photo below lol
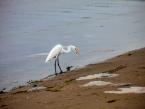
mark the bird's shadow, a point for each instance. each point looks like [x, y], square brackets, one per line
[68, 69]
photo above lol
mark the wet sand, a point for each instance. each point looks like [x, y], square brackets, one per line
[65, 92]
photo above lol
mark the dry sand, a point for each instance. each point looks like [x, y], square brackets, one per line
[65, 92]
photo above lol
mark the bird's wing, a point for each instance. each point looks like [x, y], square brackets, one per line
[55, 51]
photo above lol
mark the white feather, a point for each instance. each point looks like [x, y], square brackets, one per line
[55, 51]
[59, 49]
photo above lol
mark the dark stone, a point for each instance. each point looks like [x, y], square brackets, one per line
[1, 92]
[111, 101]
[3, 105]
[69, 68]
[125, 85]
[129, 54]
[34, 85]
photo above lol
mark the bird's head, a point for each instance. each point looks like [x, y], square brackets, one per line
[76, 50]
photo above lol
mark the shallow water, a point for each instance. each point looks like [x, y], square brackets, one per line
[101, 28]
[97, 83]
[135, 89]
[97, 75]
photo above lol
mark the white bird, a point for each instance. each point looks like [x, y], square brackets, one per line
[57, 50]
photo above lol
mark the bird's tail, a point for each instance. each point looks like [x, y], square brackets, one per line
[47, 59]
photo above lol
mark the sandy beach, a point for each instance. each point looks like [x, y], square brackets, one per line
[68, 91]
[29, 30]
[102, 29]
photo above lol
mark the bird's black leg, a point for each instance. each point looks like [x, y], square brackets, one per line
[55, 66]
[59, 65]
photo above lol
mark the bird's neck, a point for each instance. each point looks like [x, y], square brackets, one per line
[68, 49]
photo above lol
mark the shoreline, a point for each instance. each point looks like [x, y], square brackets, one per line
[64, 91]
[16, 84]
